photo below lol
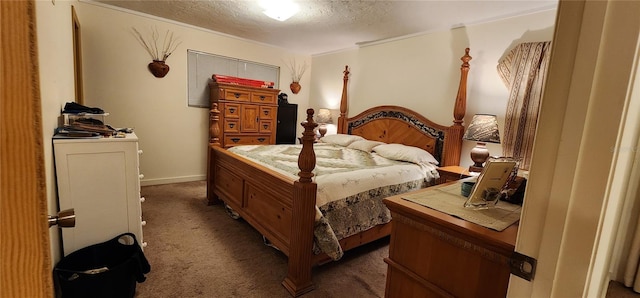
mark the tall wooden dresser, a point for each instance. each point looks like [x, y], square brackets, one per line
[100, 180]
[247, 114]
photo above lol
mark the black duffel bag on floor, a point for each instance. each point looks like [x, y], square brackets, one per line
[108, 269]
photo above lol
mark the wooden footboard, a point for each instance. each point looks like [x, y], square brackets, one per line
[260, 197]
[283, 209]
[280, 208]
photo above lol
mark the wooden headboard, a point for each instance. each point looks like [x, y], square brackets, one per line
[394, 124]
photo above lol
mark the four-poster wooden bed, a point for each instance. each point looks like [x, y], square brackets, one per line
[283, 209]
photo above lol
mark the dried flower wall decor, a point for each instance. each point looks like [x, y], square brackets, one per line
[159, 55]
[296, 74]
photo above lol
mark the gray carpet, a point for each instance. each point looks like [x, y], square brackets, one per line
[197, 250]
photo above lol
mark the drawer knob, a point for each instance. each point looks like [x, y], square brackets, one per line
[139, 152]
[266, 112]
[261, 140]
[265, 126]
[143, 223]
[237, 95]
[232, 110]
[142, 199]
[235, 140]
[262, 97]
[231, 125]
[144, 244]
[141, 176]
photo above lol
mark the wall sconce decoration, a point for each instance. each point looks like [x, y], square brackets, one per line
[483, 129]
[296, 74]
[158, 66]
[323, 118]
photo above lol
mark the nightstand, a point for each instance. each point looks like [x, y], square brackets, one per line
[452, 173]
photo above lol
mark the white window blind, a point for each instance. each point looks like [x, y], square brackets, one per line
[201, 66]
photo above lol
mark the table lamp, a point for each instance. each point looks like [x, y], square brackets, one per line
[483, 129]
[323, 118]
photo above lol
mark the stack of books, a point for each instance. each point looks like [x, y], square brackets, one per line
[242, 81]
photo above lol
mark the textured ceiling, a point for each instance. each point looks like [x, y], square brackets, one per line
[326, 26]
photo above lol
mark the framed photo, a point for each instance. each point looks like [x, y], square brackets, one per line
[491, 181]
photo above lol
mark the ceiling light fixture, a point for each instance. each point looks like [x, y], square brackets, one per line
[279, 10]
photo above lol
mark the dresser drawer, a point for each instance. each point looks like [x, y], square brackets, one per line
[232, 110]
[263, 97]
[231, 125]
[229, 185]
[266, 126]
[267, 208]
[232, 140]
[237, 94]
[268, 112]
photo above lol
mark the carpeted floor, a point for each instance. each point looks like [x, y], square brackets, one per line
[197, 250]
[618, 290]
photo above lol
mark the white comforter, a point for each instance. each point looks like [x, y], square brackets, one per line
[351, 185]
[340, 172]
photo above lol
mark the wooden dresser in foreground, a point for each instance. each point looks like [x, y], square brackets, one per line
[433, 254]
[247, 114]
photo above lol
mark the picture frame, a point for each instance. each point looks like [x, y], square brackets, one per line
[495, 175]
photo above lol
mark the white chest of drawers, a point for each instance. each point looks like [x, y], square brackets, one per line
[100, 180]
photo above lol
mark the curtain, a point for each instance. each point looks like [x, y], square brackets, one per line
[523, 70]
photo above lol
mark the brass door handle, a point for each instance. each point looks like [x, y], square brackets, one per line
[64, 219]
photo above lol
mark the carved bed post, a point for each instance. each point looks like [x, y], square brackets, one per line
[452, 153]
[342, 120]
[214, 127]
[298, 280]
[214, 141]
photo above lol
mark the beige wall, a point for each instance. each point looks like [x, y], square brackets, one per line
[55, 53]
[172, 135]
[422, 72]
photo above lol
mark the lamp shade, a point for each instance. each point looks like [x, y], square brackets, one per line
[483, 128]
[324, 116]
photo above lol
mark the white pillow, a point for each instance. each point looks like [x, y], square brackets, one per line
[341, 139]
[405, 153]
[364, 145]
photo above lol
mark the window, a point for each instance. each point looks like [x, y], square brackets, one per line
[201, 66]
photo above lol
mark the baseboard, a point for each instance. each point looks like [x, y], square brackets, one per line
[147, 182]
